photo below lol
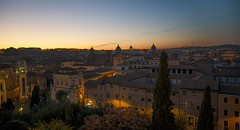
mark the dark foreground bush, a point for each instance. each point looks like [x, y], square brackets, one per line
[15, 125]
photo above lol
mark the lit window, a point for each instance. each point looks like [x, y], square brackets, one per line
[193, 93]
[184, 105]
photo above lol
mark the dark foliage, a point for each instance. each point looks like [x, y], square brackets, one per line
[5, 116]
[205, 120]
[15, 125]
[51, 111]
[163, 118]
[61, 96]
[35, 99]
[72, 114]
[6, 112]
[7, 106]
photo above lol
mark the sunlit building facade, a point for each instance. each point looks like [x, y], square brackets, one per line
[229, 108]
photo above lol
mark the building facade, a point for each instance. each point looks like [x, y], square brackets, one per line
[229, 108]
[71, 82]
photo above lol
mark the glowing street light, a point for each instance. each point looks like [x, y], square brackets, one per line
[20, 109]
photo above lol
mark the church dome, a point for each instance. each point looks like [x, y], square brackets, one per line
[153, 47]
[91, 50]
[130, 48]
[118, 49]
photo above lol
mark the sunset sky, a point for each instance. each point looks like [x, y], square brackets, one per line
[105, 23]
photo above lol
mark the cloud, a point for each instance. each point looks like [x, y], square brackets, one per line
[106, 44]
[157, 32]
[112, 43]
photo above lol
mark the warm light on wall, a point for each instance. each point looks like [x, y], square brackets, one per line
[21, 109]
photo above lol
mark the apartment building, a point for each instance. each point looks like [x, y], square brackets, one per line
[71, 82]
[135, 90]
[229, 108]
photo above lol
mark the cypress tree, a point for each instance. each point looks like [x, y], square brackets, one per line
[35, 99]
[8, 106]
[163, 118]
[205, 120]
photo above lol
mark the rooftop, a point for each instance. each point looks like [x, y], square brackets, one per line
[232, 90]
[235, 72]
[199, 84]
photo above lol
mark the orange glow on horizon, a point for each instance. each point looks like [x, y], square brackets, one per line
[124, 46]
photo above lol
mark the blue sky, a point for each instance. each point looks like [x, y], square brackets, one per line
[82, 24]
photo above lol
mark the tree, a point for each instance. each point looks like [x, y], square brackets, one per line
[7, 106]
[61, 96]
[117, 119]
[35, 99]
[163, 118]
[69, 117]
[55, 124]
[205, 120]
[15, 125]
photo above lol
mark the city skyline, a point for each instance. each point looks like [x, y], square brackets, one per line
[104, 24]
[96, 47]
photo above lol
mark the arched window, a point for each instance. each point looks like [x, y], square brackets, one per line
[225, 125]
[236, 126]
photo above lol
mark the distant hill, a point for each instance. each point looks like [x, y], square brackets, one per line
[231, 46]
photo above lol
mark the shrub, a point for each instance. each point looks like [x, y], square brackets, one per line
[55, 124]
[61, 96]
[15, 125]
[120, 118]
[52, 111]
